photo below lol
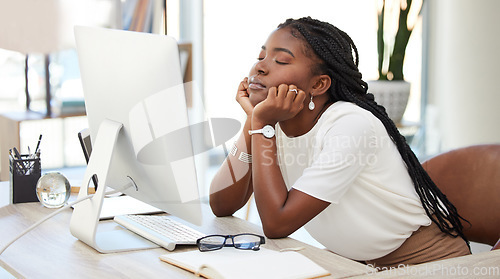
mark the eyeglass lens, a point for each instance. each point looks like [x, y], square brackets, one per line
[246, 241]
[210, 243]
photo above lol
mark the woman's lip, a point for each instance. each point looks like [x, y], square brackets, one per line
[256, 86]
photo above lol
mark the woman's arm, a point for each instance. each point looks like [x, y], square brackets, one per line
[231, 187]
[281, 211]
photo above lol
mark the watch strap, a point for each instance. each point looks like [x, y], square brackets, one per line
[268, 131]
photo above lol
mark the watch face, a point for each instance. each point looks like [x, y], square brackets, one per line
[268, 131]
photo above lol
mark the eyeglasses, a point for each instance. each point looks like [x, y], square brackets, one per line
[244, 241]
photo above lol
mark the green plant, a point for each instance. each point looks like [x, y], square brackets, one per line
[393, 35]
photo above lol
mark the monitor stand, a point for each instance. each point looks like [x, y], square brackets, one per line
[85, 218]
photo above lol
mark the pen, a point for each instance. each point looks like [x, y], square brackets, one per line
[21, 167]
[38, 144]
[17, 154]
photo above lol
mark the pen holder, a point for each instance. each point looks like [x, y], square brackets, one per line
[24, 174]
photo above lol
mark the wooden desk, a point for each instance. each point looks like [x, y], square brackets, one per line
[50, 251]
[5, 193]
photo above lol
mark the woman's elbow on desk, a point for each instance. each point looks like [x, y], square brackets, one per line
[274, 235]
[276, 230]
[223, 206]
[225, 202]
[219, 210]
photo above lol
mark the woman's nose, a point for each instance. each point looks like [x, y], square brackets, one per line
[261, 67]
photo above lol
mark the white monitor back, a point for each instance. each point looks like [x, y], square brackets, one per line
[135, 79]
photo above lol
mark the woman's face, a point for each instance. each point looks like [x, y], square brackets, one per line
[281, 61]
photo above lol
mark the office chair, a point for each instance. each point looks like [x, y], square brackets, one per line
[470, 178]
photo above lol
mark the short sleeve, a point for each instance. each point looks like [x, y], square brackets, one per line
[347, 145]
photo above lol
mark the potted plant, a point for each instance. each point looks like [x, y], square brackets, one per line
[391, 90]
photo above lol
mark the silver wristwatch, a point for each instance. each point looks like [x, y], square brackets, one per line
[267, 131]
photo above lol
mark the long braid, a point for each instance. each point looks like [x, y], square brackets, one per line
[339, 57]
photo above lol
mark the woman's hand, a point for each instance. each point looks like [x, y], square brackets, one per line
[242, 97]
[282, 103]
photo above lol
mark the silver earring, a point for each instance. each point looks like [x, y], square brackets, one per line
[311, 103]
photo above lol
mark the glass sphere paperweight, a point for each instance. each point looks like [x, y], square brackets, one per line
[53, 189]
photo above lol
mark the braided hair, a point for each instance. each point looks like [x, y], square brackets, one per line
[338, 57]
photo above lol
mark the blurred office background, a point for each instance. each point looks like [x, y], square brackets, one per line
[451, 62]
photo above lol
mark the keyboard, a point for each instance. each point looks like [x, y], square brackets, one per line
[160, 229]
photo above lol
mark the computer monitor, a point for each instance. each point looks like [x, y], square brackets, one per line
[138, 121]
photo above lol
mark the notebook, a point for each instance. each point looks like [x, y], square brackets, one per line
[124, 205]
[229, 262]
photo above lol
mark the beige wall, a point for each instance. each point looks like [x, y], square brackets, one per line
[464, 73]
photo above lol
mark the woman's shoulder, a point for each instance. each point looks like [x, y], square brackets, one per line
[343, 106]
[349, 119]
[342, 109]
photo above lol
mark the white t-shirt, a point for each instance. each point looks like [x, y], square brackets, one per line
[348, 159]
